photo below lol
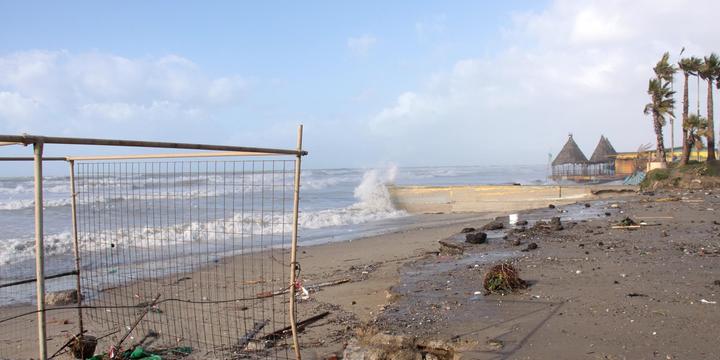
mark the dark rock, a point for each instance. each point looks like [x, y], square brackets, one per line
[587, 205]
[476, 238]
[493, 225]
[521, 223]
[551, 206]
[716, 282]
[530, 246]
[519, 229]
[467, 230]
[607, 213]
[516, 242]
[60, 298]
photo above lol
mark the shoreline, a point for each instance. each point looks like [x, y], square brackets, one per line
[319, 261]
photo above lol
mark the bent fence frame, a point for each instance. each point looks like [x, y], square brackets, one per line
[38, 143]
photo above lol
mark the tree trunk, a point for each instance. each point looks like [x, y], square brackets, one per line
[660, 151]
[685, 157]
[710, 124]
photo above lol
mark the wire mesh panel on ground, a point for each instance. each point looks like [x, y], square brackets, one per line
[187, 256]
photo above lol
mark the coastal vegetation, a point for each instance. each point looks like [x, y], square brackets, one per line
[661, 107]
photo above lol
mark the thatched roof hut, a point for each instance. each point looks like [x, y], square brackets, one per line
[570, 154]
[603, 152]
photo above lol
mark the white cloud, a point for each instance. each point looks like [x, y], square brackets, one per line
[60, 91]
[361, 45]
[578, 67]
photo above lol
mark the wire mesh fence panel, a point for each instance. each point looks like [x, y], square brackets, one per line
[187, 257]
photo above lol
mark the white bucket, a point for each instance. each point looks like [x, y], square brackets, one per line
[513, 219]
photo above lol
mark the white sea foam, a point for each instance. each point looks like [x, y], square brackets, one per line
[372, 203]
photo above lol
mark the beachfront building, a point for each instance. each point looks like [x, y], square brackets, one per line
[602, 161]
[570, 163]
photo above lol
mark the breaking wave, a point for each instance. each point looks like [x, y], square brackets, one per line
[372, 203]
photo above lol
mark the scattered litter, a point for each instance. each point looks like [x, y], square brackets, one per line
[512, 219]
[578, 272]
[708, 302]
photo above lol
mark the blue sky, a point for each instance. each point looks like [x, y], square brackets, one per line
[411, 82]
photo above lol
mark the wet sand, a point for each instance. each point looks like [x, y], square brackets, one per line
[371, 264]
[596, 292]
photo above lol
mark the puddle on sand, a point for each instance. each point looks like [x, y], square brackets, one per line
[442, 296]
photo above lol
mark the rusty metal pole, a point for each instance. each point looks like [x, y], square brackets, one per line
[76, 244]
[39, 251]
[293, 246]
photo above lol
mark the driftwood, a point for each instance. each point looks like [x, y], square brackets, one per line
[328, 283]
[130, 330]
[279, 334]
[267, 294]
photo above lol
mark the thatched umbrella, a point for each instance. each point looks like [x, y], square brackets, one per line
[569, 159]
[603, 152]
[602, 161]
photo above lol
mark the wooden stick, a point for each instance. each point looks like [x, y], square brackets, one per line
[327, 283]
[130, 330]
[279, 334]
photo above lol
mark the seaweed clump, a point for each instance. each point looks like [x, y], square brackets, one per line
[503, 278]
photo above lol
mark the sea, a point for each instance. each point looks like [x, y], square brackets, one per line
[336, 205]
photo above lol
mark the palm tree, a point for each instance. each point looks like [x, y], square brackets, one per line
[689, 66]
[709, 72]
[660, 107]
[664, 71]
[696, 128]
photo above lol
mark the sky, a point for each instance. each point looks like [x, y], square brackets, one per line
[414, 83]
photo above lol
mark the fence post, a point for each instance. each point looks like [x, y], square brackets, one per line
[76, 243]
[39, 250]
[293, 246]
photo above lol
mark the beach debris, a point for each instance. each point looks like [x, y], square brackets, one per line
[493, 225]
[476, 238]
[512, 219]
[301, 325]
[555, 224]
[551, 206]
[516, 242]
[467, 230]
[495, 344]
[614, 206]
[115, 349]
[587, 205]
[627, 221]
[708, 302]
[521, 223]
[249, 336]
[636, 295]
[530, 246]
[60, 298]
[607, 213]
[140, 353]
[503, 278]
[83, 346]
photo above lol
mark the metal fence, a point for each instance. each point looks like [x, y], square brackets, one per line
[184, 255]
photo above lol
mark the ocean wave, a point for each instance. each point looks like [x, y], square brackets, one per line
[372, 203]
[29, 203]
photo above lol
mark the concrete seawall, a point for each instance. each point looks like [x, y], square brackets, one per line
[483, 198]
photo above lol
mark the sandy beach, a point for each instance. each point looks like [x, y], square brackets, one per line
[595, 292]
